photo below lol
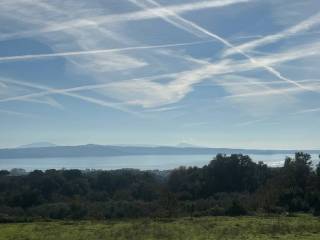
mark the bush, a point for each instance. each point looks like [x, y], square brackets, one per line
[217, 211]
[236, 209]
[275, 210]
[54, 211]
[316, 211]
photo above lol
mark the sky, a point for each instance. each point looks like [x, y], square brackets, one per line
[218, 73]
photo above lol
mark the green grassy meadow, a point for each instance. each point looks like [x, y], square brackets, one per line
[298, 227]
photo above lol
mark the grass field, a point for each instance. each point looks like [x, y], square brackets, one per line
[299, 227]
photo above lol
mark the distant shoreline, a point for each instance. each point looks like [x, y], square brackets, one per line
[92, 150]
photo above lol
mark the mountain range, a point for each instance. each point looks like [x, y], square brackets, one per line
[38, 145]
[92, 150]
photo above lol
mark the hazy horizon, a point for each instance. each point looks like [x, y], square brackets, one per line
[180, 144]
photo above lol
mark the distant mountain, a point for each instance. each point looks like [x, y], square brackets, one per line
[38, 145]
[92, 150]
[186, 145]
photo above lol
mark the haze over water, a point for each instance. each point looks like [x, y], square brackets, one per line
[144, 162]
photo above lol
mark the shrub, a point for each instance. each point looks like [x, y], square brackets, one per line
[217, 211]
[236, 209]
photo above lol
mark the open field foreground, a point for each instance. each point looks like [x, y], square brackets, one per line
[298, 227]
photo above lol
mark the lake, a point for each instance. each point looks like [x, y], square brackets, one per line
[145, 162]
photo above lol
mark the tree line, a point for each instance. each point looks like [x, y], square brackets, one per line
[228, 185]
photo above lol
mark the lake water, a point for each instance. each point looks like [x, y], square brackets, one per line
[160, 162]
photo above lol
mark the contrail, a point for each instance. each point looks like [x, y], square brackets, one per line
[78, 53]
[17, 113]
[49, 91]
[197, 30]
[202, 72]
[70, 91]
[133, 16]
[302, 26]
[229, 68]
[265, 93]
[309, 111]
[242, 124]
[65, 91]
[259, 82]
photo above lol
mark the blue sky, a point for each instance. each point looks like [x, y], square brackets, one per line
[221, 73]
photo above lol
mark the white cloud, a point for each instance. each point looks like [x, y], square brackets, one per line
[95, 45]
[49, 91]
[99, 51]
[47, 101]
[95, 21]
[197, 30]
[37, 15]
[149, 93]
[301, 27]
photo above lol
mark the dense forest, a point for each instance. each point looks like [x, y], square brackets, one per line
[228, 185]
